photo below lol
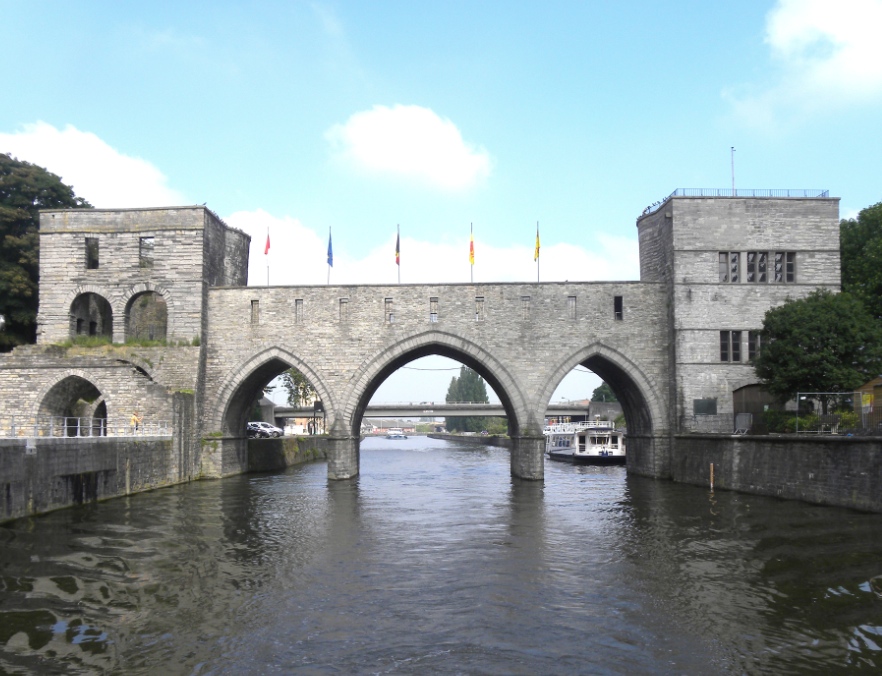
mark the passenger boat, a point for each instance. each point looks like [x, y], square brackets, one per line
[591, 442]
[396, 433]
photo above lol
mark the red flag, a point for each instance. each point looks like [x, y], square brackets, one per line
[266, 248]
[398, 250]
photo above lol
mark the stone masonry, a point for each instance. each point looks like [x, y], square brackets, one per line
[674, 346]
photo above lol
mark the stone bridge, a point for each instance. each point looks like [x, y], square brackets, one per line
[177, 335]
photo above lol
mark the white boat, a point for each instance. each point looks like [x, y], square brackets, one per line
[396, 433]
[591, 442]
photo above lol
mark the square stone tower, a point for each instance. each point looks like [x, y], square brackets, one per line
[726, 260]
[134, 273]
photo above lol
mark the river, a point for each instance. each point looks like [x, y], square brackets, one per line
[435, 561]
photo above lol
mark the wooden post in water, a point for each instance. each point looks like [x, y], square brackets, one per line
[712, 476]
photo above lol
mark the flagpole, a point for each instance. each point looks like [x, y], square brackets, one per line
[330, 256]
[266, 251]
[398, 251]
[472, 253]
[537, 252]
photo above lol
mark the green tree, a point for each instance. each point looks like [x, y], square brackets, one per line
[469, 386]
[300, 390]
[24, 189]
[825, 342]
[860, 247]
[603, 393]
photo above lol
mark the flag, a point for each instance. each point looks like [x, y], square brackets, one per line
[330, 250]
[398, 250]
[472, 248]
[266, 248]
[536, 253]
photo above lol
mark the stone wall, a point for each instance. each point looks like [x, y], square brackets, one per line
[836, 471]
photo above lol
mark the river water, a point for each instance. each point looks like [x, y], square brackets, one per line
[435, 561]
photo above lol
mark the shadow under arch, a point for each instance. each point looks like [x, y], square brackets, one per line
[91, 314]
[145, 312]
[73, 396]
[241, 388]
[374, 372]
[635, 392]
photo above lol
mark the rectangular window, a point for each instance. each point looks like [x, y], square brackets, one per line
[255, 312]
[756, 267]
[433, 309]
[704, 406]
[298, 310]
[571, 307]
[91, 253]
[525, 307]
[479, 308]
[618, 308]
[785, 267]
[389, 312]
[730, 345]
[344, 309]
[729, 266]
[754, 343]
[145, 252]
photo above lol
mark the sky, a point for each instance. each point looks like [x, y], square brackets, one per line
[357, 120]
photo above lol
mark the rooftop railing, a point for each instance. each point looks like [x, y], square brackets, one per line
[738, 192]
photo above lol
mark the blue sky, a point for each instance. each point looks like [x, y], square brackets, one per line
[301, 117]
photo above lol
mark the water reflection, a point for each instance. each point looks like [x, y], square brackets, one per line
[435, 560]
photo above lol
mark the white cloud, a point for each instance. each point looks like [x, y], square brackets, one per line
[96, 171]
[828, 54]
[298, 255]
[411, 142]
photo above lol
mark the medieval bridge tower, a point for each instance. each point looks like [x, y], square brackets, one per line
[674, 346]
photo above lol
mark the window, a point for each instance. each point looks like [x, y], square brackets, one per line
[479, 308]
[389, 312]
[298, 310]
[571, 307]
[785, 267]
[255, 312]
[754, 343]
[145, 252]
[704, 406]
[344, 309]
[91, 253]
[618, 312]
[525, 307]
[730, 345]
[729, 264]
[756, 267]
[433, 309]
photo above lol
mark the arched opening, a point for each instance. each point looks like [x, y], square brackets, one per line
[74, 406]
[425, 360]
[91, 315]
[268, 394]
[146, 317]
[635, 407]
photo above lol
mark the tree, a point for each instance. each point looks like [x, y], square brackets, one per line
[825, 342]
[860, 247]
[603, 393]
[24, 189]
[300, 390]
[469, 386]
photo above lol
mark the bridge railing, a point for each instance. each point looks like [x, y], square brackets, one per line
[738, 192]
[71, 426]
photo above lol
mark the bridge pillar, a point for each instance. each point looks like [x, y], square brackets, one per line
[527, 458]
[343, 457]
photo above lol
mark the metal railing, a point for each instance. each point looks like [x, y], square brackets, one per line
[69, 426]
[738, 192]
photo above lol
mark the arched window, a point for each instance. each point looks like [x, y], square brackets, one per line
[146, 317]
[91, 315]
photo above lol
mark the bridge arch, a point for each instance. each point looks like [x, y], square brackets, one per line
[72, 395]
[246, 380]
[374, 372]
[638, 396]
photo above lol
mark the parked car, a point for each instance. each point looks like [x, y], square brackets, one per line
[265, 428]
